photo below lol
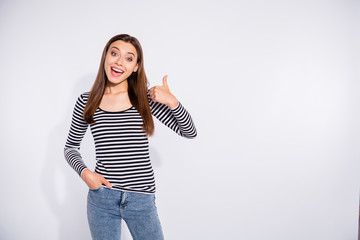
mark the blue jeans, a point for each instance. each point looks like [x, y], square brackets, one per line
[107, 207]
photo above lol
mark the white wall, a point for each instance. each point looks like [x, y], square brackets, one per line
[273, 87]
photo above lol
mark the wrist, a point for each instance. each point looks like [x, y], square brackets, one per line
[85, 172]
[173, 103]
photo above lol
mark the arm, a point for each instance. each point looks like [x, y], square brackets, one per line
[72, 148]
[165, 107]
[76, 133]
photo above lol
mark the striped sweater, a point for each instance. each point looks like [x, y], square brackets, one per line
[121, 145]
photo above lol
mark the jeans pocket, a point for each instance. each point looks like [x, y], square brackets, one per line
[96, 189]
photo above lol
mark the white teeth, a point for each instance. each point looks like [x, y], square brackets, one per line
[117, 70]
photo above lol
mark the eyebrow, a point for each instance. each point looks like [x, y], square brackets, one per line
[127, 52]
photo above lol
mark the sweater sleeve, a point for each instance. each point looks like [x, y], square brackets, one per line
[177, 119]
[76, 133]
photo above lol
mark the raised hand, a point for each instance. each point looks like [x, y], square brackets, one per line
[163, 95]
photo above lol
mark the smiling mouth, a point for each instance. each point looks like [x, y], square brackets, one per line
[117, 70]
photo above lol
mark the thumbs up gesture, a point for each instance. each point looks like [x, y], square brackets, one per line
[163, 95]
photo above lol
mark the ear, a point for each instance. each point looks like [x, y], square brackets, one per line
[136, 68]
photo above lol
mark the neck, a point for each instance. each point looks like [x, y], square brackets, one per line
[112, 88]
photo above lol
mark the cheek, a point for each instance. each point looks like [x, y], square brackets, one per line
[106, 62]
[105, 68]
[131, 66]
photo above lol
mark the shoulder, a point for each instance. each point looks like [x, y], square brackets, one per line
[82, 100]
[84, 97]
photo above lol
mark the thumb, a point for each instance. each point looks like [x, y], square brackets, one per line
[165, 84]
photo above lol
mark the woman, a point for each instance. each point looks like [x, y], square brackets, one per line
[119, 110]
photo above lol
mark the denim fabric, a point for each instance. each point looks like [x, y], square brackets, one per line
[107, 207]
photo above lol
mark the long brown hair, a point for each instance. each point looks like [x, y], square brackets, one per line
[137, 86]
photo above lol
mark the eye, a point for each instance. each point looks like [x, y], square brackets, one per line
[113, 54]
[129, 59]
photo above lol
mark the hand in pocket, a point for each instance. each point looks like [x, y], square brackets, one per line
[94, 180]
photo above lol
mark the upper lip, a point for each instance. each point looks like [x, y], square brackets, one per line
[117, 69]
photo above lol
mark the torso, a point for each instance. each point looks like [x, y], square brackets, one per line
[122, 150]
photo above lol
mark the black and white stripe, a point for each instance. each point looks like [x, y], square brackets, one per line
[121, 145]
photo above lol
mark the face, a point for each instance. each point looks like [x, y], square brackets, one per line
[120, 61]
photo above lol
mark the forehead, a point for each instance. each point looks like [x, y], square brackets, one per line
[123, 46]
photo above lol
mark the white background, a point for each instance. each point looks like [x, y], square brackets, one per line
[273, 87]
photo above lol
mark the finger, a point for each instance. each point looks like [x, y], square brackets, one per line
[165, 84]
[106, 182]
[153, 97]
[152, 90]
[152, 94]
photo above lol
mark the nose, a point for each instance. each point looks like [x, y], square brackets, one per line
[119, 61]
